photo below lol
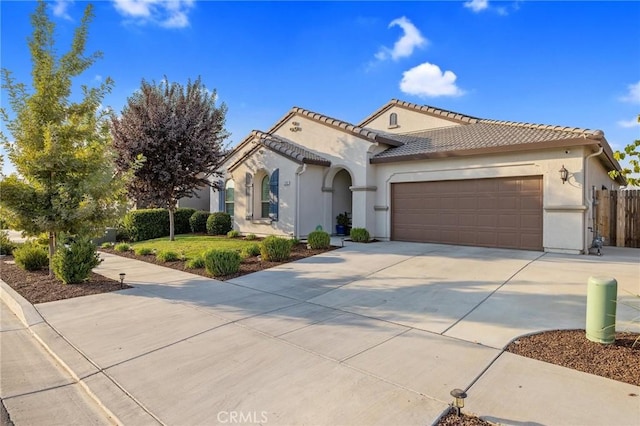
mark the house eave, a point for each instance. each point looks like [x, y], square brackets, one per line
[487, 150]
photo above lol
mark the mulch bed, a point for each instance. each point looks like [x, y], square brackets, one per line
[452, 419]
[570, 348]
[39, 287]
[248, 265]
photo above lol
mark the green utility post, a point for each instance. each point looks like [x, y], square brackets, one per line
[602, 295]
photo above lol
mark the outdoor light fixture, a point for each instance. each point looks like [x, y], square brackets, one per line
[458, 399]
[564, 174]
[122, 275]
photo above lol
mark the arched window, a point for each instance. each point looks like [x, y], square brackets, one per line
[393, 120]
[264, 197]
[229, 197]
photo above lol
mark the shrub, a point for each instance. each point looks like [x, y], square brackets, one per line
[42, 240]
[252, 250]
[294, 241]
[359, 235]
[218, 223]
[167, 256]
[146, 224]
[198, 221]
[275, 249]
[250, 237]
[106, 245]
[122, 247]
[195, 263]
[31, 257]
[142, 251]
[233, 234]
[6, 245]
[73, 263]
[181, 220]
[222, 262]
[319, 240]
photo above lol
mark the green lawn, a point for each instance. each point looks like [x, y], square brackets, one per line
[194, 245]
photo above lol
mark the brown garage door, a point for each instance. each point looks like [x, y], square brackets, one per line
[502, 212]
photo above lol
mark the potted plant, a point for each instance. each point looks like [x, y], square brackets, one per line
[342, 223]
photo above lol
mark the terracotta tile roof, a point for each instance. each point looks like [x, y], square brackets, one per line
[289, 149]
[484, 135]
[442, 113]
[369, 134]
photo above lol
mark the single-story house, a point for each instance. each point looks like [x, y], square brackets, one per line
[416, 173]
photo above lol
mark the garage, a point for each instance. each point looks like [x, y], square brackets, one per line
[497, 212]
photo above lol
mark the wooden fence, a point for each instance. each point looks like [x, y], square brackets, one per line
[618, 217]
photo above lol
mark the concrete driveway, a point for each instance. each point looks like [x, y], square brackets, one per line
[368, 334]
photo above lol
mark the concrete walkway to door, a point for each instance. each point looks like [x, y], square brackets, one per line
[368, 334]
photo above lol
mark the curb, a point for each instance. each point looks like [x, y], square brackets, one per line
[53, 343]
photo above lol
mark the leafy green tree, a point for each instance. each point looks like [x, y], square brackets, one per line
[171, 139]
[65, 181]
[633, 152]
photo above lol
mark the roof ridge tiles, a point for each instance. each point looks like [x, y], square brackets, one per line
[596, 133]
[437, 111]
[334, 122]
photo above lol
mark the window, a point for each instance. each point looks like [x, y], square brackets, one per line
[265, 197]
[229, 197]
[393, 120]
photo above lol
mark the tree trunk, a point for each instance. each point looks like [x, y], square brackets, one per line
[172, 236]
[52, 250]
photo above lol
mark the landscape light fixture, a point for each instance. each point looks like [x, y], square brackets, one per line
[564, 174]
[458, 399]
[122, 275]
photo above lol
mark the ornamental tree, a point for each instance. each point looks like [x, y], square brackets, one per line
[60, 148]
[633, 152]
[170, 138]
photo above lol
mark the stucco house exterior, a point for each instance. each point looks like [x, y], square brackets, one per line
[417, 173]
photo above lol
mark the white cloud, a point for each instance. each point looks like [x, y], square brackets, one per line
[477, 5]
[60, 7]
[165, 13]
[405, 45]
[634, 93]
[427, 80]
[629, 123]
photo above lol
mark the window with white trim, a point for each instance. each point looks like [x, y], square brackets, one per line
[229, 197]
[265, 197]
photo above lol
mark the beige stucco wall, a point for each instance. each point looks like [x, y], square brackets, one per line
[261, 162]
[564, 208]
[201, 202]
[408, 121]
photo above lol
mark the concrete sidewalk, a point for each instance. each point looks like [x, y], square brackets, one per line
[368, 334]
[34, 388]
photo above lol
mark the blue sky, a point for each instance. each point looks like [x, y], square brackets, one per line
[566, 63]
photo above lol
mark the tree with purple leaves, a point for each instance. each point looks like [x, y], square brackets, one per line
[171, 139]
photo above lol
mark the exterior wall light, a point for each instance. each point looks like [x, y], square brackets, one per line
[122, 275]
[564, 174]
[458, 399]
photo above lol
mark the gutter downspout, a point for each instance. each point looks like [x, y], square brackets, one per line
[587, 196]
[296, 227]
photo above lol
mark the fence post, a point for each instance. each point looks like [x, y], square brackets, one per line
[602, 215]
[620, 219]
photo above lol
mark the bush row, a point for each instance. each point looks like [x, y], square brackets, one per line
[147, 224]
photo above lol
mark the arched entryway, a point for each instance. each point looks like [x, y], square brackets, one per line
[341, 199]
